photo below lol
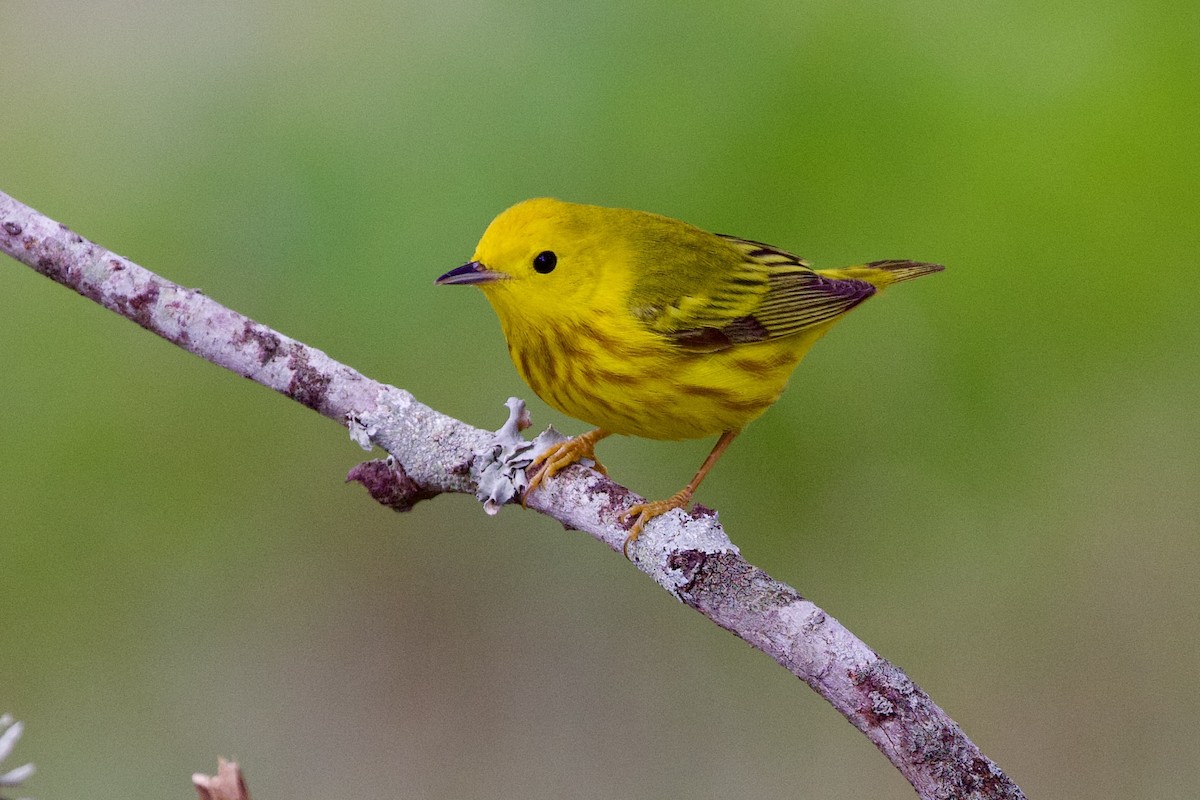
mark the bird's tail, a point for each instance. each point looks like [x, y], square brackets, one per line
[884, 273]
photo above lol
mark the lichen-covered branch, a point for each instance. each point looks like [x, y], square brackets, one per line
[430, 453]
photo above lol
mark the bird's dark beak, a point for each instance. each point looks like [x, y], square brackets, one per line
[473, 273]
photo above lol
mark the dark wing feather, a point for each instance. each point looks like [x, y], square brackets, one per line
[766, 294]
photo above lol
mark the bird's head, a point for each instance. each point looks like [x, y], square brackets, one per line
[547, 257]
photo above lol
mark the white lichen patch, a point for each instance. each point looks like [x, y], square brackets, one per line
[676, 532]
[361, 430]
[499, 466]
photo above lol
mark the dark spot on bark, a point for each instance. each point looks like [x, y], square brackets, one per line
[13, 228]
[714, 579]
[267, 341]
[308, 385]
[139, 308]
[51, 269]
[687, 562]
[143, 302]
[886, 691]
[618, 496]
[115, 265]
[991, 781]
[707, 572]
[881, 707]
[389, 484]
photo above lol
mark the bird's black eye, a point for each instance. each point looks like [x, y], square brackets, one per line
[545, 261]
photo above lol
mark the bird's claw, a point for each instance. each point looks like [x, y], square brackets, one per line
[641, 513]
[556, 458]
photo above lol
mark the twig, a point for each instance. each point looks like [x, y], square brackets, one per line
[10, 734]
[227, 784]
[689, 555]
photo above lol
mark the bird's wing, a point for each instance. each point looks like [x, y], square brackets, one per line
[763, 293]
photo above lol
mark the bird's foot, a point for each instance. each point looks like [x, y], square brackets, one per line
[641, 513]
[556, 458]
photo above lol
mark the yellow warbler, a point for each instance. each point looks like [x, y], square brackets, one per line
[644, 325]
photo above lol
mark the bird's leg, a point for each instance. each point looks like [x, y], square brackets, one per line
[556, 458]
[648, 511]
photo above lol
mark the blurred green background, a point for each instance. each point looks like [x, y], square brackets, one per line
[990, 475]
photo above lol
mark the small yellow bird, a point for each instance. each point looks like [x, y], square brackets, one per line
[643, 325]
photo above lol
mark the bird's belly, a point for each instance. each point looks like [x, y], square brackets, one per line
[656, 391]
